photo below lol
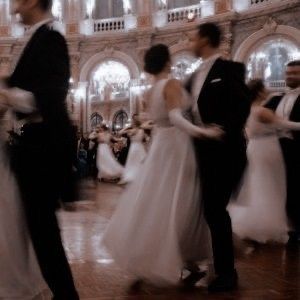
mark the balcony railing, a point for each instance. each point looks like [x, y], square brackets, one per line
[261, 2]
[243, 5]
[109, 25]
[184, 13]
[277, 84]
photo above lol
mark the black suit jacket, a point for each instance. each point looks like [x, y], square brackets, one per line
[44, 70]
[223, 100]
[294, 116]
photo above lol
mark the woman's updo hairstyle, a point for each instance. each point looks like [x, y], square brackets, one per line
[255, 86]
[156, 59]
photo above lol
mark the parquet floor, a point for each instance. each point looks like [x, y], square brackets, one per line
[270, 272]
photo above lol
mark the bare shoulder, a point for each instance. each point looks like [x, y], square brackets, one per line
[173, 83]
[264, 114]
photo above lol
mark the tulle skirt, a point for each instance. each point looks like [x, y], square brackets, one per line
[259, 212]
[136, 156]
[20, 276]
[159, 224]
[107, 165]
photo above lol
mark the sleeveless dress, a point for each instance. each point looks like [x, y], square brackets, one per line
[108, 166]
[259, 211]
[136, 156]
[20, 276]
[159, 224]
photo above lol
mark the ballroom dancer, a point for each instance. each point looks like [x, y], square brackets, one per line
[107, 164]
[259, 212]
[287, 106]
[221, 97]
[136, 154]
[20, 276]
[158, 226]
[44, 154]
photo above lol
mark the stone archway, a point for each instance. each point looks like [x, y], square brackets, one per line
[109, 54]
[271, 28]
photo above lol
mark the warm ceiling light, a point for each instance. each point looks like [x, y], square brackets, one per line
[191, 16]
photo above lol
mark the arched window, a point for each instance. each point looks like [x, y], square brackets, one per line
[110, 80]
[96, 120]
[268, 61]
[120, 120]
[184, 64]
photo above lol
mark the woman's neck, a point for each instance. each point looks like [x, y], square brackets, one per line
[162, 75]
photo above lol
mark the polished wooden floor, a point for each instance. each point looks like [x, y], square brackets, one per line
[269, 272]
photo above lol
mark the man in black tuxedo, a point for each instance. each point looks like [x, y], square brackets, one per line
[287, 106]
[43, 154]
[220, 97]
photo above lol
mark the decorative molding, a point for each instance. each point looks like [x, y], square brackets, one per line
[270, 26]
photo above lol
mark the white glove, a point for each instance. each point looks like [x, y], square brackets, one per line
[285, 124]
[20, 100]
[180, 122]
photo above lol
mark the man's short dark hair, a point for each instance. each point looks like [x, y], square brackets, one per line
[294, 63]
[45, 4]
[212, 32]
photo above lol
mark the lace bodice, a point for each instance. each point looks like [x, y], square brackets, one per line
[256, 128]
[157, 107]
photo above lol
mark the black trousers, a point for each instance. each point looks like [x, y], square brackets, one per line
[39, 175]
[292, 161]
[220, 174]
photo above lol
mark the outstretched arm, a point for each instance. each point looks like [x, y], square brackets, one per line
[267, 116]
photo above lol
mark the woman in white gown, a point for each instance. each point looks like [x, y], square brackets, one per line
[158, 226]
[108, 166]
[20, 276]
[258, 213]
[136, 155]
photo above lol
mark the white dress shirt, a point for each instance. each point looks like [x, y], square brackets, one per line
[285, 108]
[198, 82]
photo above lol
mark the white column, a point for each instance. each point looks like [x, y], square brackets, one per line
[87, 22]
[58, 11]
[240, 5]
[207, 8]
[160, 14]
[130, 19]
[83, 106]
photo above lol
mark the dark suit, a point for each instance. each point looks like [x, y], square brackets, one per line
[223, 100]
[291, 151]
[44, 154]
[125, 150]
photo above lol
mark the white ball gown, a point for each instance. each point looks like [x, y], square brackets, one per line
[136, 156]
[20, 276]
[259, 211]
[108, 166]
[159, 225]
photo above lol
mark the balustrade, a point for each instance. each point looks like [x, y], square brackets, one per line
[109, 25]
